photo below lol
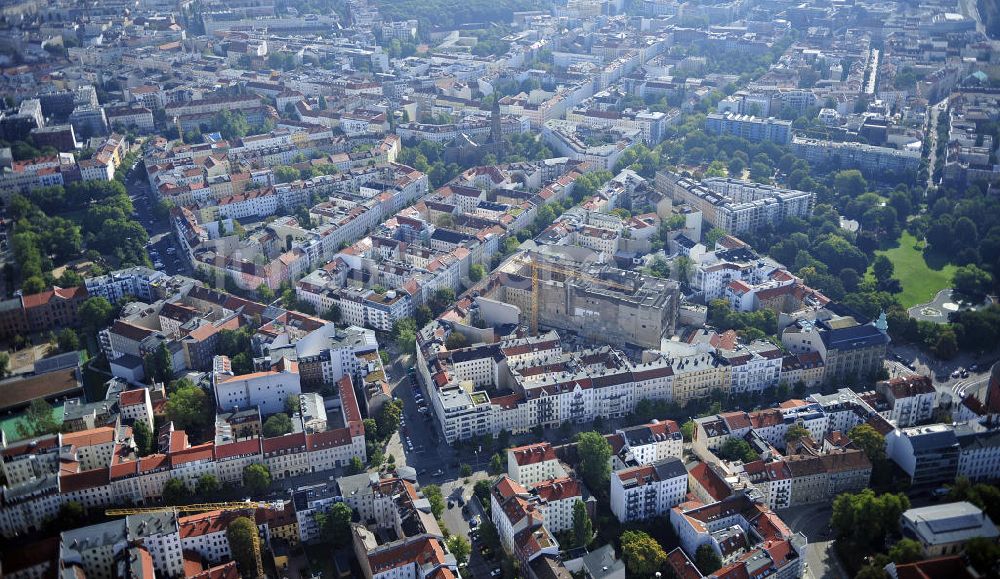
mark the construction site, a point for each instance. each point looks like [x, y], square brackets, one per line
[598, 302]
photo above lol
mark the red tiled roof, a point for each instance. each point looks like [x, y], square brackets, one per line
[765, 418]
[736, 420]
[682, 567]
[132, 397]
[83, 480]
[92, 437]
[533, 453]
[349, 404]
[123, 469]
[153, 462]
[200, 452]
[40, 299]
[710, 481]
[422, 551]
[205, 523]
[909, 386]
[558, 489]
[287, 442]
[239, 448]
[953, 567]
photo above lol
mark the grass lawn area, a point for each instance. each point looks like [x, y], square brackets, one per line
[921, 278]
[9, 423]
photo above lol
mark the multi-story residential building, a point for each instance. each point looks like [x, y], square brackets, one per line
[533, 463]
[754, 367]
[520, 520]
[653, 442]
[751, 128]
[875, 162]
[98, 468]
[822, 476]
[912, 399]
[743, 533]
[557, 497]
[127, 117]
[651, 124]
[94, 548]
[734, 205]
[419, 556]
[60, 137]
[979, 458]
[24, 176]
[136, 405]
[648, 490]
[571, 140]
[716, 271]
[136, 281]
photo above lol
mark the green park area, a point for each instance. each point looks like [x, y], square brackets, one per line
[921, 276]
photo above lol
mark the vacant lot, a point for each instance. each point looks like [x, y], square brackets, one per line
[922, 278]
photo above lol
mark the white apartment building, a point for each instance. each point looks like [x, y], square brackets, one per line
[912, 399]
[136, 405]
[649, 490]
[557, 497]
[653, 442]
[533, 463]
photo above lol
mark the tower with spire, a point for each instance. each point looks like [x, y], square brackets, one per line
[496, 138]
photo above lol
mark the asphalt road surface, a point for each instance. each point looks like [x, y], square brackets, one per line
[813, 521]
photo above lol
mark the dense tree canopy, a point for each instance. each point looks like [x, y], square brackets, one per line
[257, 479]
[868, 518]
[244, 542]
[277, 425]
[594, 454]
[643, 555]
[190, 409]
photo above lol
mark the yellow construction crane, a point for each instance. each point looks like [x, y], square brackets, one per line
[205, 508]
[539, 266]
[197, 508]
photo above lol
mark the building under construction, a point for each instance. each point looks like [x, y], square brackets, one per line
[597, 301]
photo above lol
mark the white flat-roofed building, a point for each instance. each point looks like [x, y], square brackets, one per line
[267, 390]
[944, 529]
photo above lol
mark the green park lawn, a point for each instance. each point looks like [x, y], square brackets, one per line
[921, 280]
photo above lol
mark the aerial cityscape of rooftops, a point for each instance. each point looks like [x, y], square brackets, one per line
[535, 289]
